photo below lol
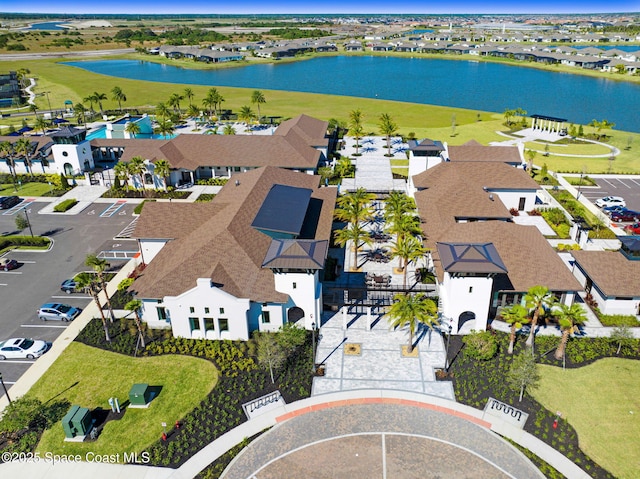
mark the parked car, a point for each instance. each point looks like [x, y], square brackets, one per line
[58, 312]
[7, 264]
[610, 201]
[633, 229]
[7, 202]
[22, 348]
[609, 210]
[69, 286]
[627, 215]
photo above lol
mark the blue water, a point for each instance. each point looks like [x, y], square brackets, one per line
[46, 26]
[464, 84]
[101, 133]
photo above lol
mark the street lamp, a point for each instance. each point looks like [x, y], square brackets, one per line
[446, 361]
[5, 389]
[26, 214]
[48, 101]
[313, 347]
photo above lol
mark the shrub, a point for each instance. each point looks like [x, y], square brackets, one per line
[64, 184]
[481, 345]
[218, 181]
[9, 241]
[65, 205]
[514, 212]
[205, 198]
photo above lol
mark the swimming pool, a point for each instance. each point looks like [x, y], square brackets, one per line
[102, 133]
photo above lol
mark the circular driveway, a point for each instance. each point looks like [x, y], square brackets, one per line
[380, 440]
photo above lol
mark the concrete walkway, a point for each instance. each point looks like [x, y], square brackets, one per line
[373, 168]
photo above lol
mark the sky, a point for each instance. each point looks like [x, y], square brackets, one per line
[325, 6]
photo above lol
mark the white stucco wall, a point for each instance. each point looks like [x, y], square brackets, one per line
[220, 304]
[306, 294]
[75, 155]
[462, 294]
[511, 199]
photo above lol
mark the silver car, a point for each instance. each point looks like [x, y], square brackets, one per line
[58, 312]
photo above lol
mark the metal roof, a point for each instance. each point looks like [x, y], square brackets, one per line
[283, 210]
[296, 254]
[470, 258]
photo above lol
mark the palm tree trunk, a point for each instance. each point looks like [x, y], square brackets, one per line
[355, 256]
[139, 326]
[534, 323]
[563, 344]
[105, 326]
[512, 339]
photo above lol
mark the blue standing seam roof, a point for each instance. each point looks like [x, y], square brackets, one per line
[283, 210]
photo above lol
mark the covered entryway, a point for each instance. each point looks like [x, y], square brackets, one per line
[465, 318]
[295, 314]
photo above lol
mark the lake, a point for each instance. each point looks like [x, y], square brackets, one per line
[463, 84]
[46, 26]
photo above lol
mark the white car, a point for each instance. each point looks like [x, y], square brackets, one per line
[22, 348]
[610, 201]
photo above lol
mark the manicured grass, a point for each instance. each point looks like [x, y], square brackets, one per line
[88, 377]
[426, 121]
[26, 189]
[601, 402]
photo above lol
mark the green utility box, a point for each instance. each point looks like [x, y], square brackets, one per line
[76, 422]
[140, 395]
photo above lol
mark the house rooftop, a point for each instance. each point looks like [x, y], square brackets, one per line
[611, 272]
[474, 151]
[283, 210]
[470, 258]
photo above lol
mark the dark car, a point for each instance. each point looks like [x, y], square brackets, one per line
[7, 202]
[625, 216]
[6, 264]
[609, 210]
[69, 286]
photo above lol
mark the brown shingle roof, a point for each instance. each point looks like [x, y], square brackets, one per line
[612, 273]
[216, 240]
[474, 151]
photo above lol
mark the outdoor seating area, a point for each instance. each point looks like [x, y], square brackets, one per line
[378, 280]
[379, 255]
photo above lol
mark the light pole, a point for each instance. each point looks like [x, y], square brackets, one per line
[6, 393]
[26, 214]
[313, 347]
[48, 101]
[446, 361]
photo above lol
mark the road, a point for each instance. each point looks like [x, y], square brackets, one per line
[37, 280]
[42, 55]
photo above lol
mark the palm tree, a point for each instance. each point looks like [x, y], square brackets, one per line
[121, 170]
[569, 318]
[34, 108]
[388, 128]
[99, 98]
[355, 127]
[41, 124]
[21, 75]
[213, 99]
[100, 265]
[399, 214]
[81, 113]
[174, 102]
[246, 114]
[88, 282]
[516, 315]
[91, 99]
[24, 148]
[257, 98]
[136, 167]
[355, 207]
[209, 103]
[162, 170]
[162, 111]
[537, 300]
[135, 305]
[133, 128]
[165, 128]
[407, 249]
[228, 129]
[7, 151]
[355, 233]
[118, 95]
[194, 111]
[411, 310]
[188, 94]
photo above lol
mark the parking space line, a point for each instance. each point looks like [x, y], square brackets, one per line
[10, 272]
[24, 204]
[42, 326]
[71, 296]
[9, 382]
[15, 361]
[633, 180]
[611, 184]
[112, 209]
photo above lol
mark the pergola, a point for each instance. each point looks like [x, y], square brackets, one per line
[547, 123]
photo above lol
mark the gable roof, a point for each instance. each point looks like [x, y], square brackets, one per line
[474, 151]
[611, 272]
[470, 258]
[296, 254]
[216, 240]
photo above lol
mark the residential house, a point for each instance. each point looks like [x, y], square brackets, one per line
[612, 278]
[481, 259]
[248, 261]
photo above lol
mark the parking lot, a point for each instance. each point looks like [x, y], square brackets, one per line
[628, 188]
[39, 275]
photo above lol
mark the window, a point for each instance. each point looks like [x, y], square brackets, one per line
[223, 325]
[65, 153]
[470, 289]
[162, 313]
[206, 310]
[221, 310]
[236, 168]
[194, 323]
[295, 285]
[209, 324]
[192, 309]
[266, 317]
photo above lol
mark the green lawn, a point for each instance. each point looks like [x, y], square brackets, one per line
[27, 189]
[88, 377]
[426, 121]
[602, 402]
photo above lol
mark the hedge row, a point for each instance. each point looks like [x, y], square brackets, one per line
[65, 205]
[7, 241]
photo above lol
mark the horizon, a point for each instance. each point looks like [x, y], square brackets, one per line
[355, 7]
